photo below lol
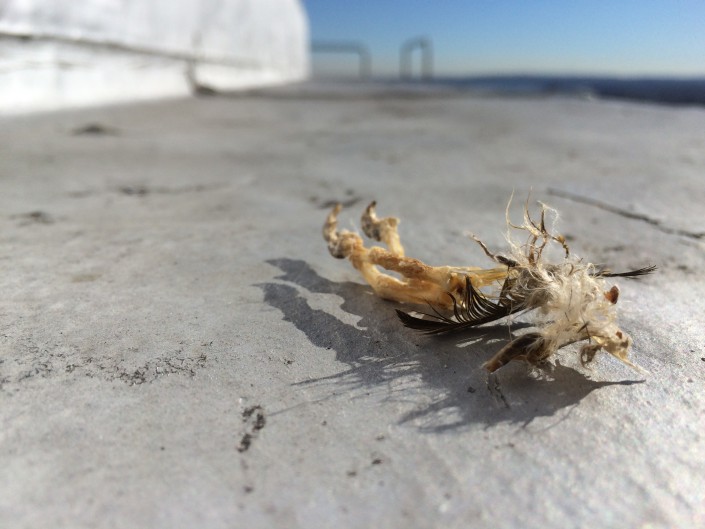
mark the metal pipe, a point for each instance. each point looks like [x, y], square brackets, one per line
[405, 54]
[347, 47]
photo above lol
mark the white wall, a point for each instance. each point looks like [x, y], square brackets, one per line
[97, 51]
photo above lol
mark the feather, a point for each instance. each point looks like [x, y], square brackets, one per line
[472, 311]
[631, 274]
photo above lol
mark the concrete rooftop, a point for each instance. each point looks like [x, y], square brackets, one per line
[178, 348]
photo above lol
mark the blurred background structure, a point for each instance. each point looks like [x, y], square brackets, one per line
[632, 38]
[58, 54]
[650, 50]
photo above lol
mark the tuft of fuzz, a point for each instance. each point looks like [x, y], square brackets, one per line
[571, 300]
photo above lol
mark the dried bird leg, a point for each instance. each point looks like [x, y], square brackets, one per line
[420, 283]
[571, 300]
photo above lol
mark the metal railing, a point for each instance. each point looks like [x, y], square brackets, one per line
[357, 48]
[405, 55]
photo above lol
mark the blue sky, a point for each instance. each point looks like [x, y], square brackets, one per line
[612, 37]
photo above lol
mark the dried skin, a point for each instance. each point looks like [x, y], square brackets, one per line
[570, 299]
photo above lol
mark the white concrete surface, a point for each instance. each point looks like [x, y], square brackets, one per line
[178, 349]
[56, 55]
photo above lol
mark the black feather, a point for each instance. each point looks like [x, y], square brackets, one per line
[475, 309]
[632, 273]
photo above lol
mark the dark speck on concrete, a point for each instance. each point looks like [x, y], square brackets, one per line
[254, 416]
[94, 129]
[34, 217]
[134, 190]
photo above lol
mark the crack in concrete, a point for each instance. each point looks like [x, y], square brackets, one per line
[45, 361]
[625, 213]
